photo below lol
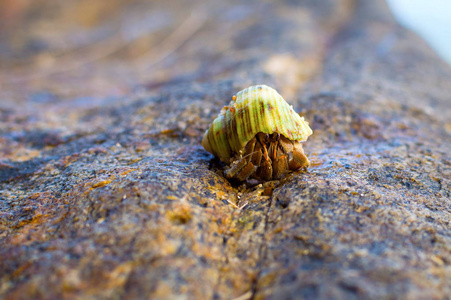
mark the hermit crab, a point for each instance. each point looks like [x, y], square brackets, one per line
[258, 136]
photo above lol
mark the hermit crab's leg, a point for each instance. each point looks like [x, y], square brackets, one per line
[294, 165]
[249, 168]
[279, 165]
[288, 148]
[286, 144]
[257, 155]
[272, 150]
[265, 169]
[278, 160]
[245, 172]
[299, 156]
[249, 149]
[272, 146]
[242, 168]
[263, 138]
[235, 167]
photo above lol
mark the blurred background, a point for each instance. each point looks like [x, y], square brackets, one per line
[97, 48]
[431, 19]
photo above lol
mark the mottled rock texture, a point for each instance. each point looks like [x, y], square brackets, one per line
[106, 193]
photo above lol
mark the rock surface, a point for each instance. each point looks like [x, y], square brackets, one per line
[106, 192]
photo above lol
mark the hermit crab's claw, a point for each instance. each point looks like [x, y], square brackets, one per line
[299, 156]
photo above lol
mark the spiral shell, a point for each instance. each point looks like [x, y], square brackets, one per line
[255, 109]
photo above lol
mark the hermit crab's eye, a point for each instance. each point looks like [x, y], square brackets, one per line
[258, 135]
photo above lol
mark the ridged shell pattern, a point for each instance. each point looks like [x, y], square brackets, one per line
[255, 109]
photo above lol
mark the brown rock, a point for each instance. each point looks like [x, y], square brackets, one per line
[106, 192]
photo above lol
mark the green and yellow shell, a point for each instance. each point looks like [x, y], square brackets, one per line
[255, 109]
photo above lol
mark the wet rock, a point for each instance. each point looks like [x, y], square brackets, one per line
[106, 191]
